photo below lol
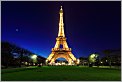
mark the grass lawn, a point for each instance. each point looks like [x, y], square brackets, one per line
[61, 73]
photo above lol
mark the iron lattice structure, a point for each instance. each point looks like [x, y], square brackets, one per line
[65, 51]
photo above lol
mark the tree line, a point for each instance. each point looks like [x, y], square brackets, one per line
[15, 56]
[111, 57]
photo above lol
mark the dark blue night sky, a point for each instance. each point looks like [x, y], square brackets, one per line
[89, 26]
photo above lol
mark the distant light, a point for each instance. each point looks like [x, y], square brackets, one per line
[101, 62]
[29, 64]
[78, 61]
[34, 56]
[34, 64]
[26, 63]
[17, 30]
[93, 55]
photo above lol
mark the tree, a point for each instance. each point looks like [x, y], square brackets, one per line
[113, 55]
[7, 54]
[104, 61]
[41, 60]
[92, 59]
[108, 52]
[83, 60]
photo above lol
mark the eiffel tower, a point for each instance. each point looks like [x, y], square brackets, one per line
[61, 49]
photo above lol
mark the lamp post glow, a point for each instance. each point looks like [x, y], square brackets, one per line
[78, 61]
[34, 58]
[93, 59]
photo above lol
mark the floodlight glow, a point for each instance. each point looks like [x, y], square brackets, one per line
[93, 55]
[78, 61]
[26, 63]
[34, 57]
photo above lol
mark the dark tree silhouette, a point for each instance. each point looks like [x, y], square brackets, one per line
[83, 61]
[107, 53]
[41, 60]
[113, 55]
[7, 54]
[13, 55]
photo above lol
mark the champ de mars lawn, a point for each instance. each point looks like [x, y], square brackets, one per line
[61, 73]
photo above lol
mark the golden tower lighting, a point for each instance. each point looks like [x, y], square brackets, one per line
[65, 51]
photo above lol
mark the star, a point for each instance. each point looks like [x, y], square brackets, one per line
[17, 30]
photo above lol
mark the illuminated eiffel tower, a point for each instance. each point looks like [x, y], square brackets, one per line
[61, 49]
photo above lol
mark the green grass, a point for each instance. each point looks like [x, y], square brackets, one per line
[61, 73]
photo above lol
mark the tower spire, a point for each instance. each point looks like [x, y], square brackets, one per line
[61, 49]
[61, 24]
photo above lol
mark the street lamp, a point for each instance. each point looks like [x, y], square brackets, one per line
[78, 61]
[34, 58]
